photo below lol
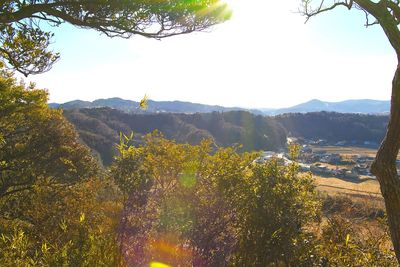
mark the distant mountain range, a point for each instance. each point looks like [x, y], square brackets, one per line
[130, 106]
[363, 106]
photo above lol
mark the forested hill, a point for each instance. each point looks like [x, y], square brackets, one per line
[99, 128]
[336, 127]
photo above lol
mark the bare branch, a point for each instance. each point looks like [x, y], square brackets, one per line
[309, 12]
[367, 21]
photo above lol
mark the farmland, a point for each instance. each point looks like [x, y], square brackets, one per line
[364, 187]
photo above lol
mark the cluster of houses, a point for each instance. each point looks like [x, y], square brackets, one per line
[327, 164]
[335, 165]
[343, 173]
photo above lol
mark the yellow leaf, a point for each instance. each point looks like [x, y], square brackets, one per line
[82, 217]
[144, 102]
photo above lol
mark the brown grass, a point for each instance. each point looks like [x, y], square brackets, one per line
[332, 184]
[365, 191]
[348, 151]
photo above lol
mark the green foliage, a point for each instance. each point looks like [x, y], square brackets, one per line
[178, 204]
[294, 151]
[276, 203]
[24, 48]
[54, 208]
[39, 148]
[223, 206]
[232, 212]
[349, 243]
[76, 225]
[128, 169]
[87, 249]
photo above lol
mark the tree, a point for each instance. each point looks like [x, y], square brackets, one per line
[39, 147]
[24, 43]
[386, 14]
[274, 204]
[53, 196]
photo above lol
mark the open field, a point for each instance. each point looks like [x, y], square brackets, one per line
[347, 150]
[364, 192]
[335, 185]
[365, 187]
[332, 186]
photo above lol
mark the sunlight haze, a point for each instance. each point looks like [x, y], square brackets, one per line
[265, 56]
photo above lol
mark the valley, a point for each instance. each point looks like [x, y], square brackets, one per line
[100, 128]
[124, 143]
[338, 166]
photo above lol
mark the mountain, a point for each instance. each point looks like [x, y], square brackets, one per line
[72, 104]
[130, 106]
[364, 106]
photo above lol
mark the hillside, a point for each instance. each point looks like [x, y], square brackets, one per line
[99, 128]
[334, 127]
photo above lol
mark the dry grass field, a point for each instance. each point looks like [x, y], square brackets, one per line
[357, 205]
[366, 192]
[347, 150]
[334, 185]
[364, 188]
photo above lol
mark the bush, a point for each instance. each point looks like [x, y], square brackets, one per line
[185, 205]
[344, 243]
[275, 204]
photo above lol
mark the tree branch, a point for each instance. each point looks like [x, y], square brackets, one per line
[25, 12]
[310, 12]
[385, 19]
[111, 27]
[395, 9]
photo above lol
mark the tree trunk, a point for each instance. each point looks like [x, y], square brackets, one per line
[384, 165]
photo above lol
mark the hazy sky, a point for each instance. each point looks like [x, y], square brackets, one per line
[265, 56]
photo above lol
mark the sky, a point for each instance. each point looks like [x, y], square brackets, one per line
[265, 56]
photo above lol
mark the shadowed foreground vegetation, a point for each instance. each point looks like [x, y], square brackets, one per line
[160, 201]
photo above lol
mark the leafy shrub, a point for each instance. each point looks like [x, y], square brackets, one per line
[185, 205]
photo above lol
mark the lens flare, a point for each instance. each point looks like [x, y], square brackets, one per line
[158, 264]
